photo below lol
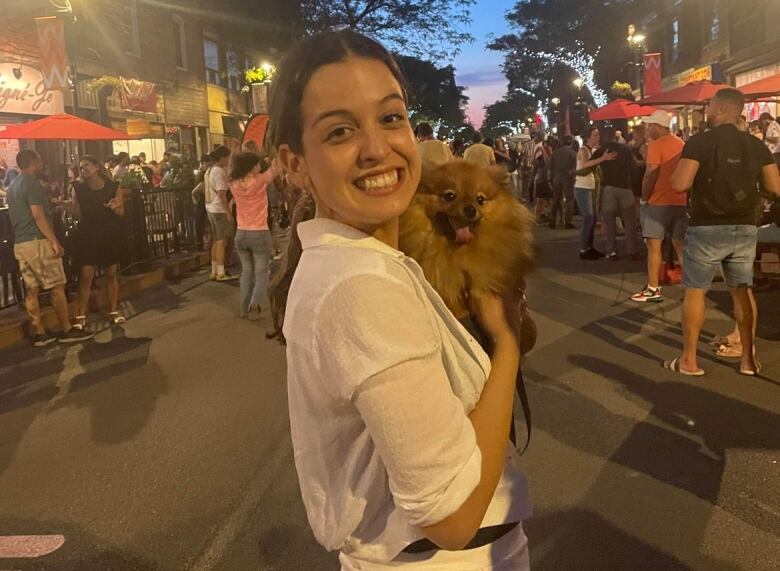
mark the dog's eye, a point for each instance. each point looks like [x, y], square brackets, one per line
[481, 200]
[449, 196]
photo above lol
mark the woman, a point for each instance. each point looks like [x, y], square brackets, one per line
[542, 186]
[100, 237]
[585, 188]
[253, 237]
[501, 152]
[399, 420]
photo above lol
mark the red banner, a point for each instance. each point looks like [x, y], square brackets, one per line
[652, 74]
[54, 60]
[138, 96]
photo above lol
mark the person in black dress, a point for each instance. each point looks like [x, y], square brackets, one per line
[100, 237]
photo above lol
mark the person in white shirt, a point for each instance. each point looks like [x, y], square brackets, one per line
[479, 153]
[771, 130]
[123, 167]
[219, 213]
[432, 151]
[400, 421]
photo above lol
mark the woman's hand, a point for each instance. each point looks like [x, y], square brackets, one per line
[491, 313]
[611, 156]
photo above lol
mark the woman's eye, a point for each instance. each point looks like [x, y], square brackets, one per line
[338, 133]
[449, 196]
[393, 118]
[480, 200]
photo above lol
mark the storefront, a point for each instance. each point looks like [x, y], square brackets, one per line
[754, 110]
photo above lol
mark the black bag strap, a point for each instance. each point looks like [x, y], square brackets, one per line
[526, 404]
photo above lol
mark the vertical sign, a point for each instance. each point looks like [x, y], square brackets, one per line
[652, 74]
[54, 60]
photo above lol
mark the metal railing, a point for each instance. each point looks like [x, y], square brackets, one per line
[159, 222]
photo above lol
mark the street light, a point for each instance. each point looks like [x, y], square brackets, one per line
[636, 41]
[579, 82]
[555, 101]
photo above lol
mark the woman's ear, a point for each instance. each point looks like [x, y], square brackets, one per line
[293, 165]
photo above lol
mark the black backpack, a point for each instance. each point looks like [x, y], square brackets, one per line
[731, 183]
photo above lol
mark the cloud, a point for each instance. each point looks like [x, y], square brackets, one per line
[482, 77]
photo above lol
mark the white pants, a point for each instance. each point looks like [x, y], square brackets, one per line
[510, 553]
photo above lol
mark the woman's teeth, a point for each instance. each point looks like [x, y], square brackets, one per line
[384, 180]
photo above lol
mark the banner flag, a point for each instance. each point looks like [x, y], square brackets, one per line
[54, 60]
[652, 74]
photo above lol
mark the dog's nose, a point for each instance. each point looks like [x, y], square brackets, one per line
[470, 212]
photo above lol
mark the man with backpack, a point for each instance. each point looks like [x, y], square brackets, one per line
[722, 169]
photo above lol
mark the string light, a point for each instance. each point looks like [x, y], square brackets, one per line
[582, 63]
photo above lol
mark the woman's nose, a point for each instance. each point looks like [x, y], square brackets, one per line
[375, 147]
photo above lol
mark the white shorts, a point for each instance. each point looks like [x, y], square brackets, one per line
[509, 553]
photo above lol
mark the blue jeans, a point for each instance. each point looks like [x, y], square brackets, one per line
[708, 249]
[619, 202]
[584, 198]
[254, 250]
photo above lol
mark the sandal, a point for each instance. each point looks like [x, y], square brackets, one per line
[674, 366]
[116, 318]
[81, 322]
[719, 340]
[728, 352]
[749, 372]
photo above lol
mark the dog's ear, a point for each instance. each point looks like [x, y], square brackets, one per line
[428, 179]
[498, 173]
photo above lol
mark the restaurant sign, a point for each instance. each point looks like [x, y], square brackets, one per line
[22, 91]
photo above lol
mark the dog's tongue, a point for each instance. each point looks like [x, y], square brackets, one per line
[464, 235]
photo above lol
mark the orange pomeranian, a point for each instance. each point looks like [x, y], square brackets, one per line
[468, 233]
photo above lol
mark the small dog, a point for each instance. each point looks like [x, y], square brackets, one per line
[468, 233]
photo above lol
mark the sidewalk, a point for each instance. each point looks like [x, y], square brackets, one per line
[14, 322]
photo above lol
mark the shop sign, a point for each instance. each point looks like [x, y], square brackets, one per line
[698, 74]
[22, 91]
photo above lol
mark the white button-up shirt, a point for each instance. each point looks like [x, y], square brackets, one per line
[381, 378]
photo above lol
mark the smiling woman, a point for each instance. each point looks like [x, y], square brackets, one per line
[399, 420]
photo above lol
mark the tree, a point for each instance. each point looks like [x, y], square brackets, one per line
[421, 28]
[434, 97]
[588, 36]
[505, 116]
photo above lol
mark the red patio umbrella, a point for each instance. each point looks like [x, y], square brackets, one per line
[63, 127]
[695, 93]
[767, 87]
[621, 109]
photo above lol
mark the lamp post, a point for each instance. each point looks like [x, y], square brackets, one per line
[636, 41]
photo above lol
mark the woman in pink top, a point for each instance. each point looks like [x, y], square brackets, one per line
[253, 238]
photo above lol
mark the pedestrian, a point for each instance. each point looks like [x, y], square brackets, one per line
[400, 421]
[253, 237]
[122, 167]
[458, 148]
[220, 214]
[479, 153]
[723, 168]
[199, 200]
[563, 166]
[771, 130]
[500, 152]
[38, 251]
[100, 240]
[664, 212]
[585, 190]
[617, 198]
[541, 180]
[432, 151]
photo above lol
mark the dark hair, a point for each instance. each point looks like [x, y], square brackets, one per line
[122, 156]
[101, 168]
[586, 134]
[242, 164]
[476, 137]
[26, 157]
[488, 142]
[731, 96]
[765, 116]
[298, 67]
[425, 130]
[221, 152]
[608, 134]
[567, 140]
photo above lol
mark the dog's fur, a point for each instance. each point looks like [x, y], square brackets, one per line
[501, 249]
[499, 255]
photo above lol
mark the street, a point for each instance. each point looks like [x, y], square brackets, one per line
[164, 444]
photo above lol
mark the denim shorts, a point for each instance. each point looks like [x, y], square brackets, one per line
[658, 220]
[710, 248]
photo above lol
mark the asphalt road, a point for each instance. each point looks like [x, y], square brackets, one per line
[164, 444]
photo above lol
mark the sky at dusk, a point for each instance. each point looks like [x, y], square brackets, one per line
[478, 68]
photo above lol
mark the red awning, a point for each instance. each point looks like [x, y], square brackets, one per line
[620, 109]
[63, 127]
[767, 87]
[695, 93]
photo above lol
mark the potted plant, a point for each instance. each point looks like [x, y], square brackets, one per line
[105, 85]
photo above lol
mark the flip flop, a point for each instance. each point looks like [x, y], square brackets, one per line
[674, 366]
[748, 372]
[719, 340]
[728, 352]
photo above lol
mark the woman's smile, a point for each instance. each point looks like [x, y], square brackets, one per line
[381, 184]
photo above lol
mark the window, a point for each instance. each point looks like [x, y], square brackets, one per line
[212, 61]
[713, 33]
[236, 64]
[675, 39]
[180, 38]
[128, 29]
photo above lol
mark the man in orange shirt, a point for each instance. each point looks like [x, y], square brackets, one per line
[663, 211]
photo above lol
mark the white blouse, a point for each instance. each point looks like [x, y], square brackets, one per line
[381, 378]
